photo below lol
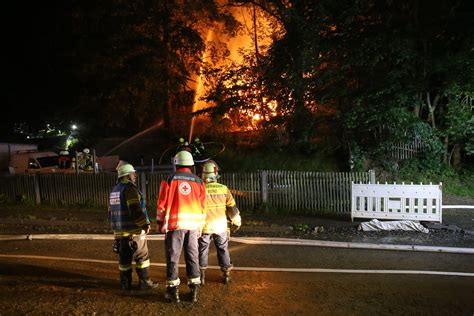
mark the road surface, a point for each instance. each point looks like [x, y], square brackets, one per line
[81, 278]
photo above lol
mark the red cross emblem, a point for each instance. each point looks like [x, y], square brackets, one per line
[185, 188]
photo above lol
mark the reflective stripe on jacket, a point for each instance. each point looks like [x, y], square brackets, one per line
[127, 211]
[220, 205]
[181, 201]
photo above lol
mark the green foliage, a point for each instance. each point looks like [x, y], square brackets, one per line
[302, 228]
[359, 158]
[373, 135]
[252, 159]
[460, 117]
[456, 182]
[433, 147]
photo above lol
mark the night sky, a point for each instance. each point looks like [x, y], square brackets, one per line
[34, 37]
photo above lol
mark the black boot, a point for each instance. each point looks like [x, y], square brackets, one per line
[126, 280]
[172, 294]
[203, 276]
[194, 292]
[144, 281]
[147, 285]
[226, 276]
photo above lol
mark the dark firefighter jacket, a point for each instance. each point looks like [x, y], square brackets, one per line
[128, 215]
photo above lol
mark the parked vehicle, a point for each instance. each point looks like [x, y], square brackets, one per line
[35, 162]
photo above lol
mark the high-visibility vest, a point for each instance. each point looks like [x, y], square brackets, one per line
[220, 206]
[123, 221]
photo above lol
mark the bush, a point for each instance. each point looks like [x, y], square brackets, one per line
[456, 182]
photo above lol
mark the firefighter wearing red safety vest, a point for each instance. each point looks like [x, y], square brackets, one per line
[130, 223]
[180, 215]
[220, 208]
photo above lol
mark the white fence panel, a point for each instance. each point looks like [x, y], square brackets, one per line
[421, 202]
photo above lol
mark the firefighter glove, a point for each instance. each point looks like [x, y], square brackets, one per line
[159, 226]
[133, 244]
[146, 228]
[234, 228]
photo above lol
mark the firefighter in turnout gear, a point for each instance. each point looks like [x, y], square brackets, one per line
[130, 223]
[180, 215]
[220, 208]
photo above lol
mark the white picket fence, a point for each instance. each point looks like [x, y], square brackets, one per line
[420, 202]
[403, 150]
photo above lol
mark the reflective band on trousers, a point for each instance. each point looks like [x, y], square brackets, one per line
[143, 265]
[196, 280]
[125, 267]
[173, 283]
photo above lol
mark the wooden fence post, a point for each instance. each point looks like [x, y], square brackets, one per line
[37, 189]
[142, 184]
[264, 188]
[371, 176]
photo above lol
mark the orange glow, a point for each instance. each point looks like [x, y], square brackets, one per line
[261, 108]
[198, 104]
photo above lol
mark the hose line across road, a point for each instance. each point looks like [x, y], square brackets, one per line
[261, 241]
[258, 269]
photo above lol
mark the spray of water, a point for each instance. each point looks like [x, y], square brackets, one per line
[149, 129]
[198, 104]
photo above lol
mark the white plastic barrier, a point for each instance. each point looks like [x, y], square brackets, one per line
[420, 202]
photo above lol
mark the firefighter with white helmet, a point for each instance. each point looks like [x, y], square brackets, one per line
[130, 223]
[180, 215]
[220, 207]
[88, 160]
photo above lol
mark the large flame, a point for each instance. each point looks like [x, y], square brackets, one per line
[244, 40]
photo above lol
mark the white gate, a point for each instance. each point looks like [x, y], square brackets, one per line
[420, 202]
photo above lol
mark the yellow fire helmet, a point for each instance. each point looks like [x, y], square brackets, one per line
[183, 158]
[210, 171]
[209, 168]
[125, 169]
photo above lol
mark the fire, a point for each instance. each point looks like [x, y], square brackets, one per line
[254, 39]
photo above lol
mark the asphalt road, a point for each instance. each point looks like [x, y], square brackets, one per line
[36, 278]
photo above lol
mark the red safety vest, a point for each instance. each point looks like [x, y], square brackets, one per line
[181, 202]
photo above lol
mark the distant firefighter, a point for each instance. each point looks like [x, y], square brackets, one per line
[64, 160]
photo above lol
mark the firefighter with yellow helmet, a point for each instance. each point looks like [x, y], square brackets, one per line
[220, 207]
[130, 223]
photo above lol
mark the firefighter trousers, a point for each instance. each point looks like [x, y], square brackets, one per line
[174, 242]
[133, 248]
[221, 241]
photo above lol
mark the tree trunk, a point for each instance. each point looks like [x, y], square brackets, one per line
[432, 108]
[418, 104]
[456, 155]
[445, 154]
